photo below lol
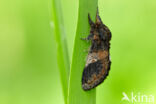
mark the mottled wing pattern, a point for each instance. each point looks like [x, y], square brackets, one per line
[95, 72]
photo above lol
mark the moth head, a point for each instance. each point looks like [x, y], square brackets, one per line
[98, 29]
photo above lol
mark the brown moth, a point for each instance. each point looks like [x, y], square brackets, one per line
[98, 60]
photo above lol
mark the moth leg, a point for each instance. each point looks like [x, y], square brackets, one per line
[84, 38]
[86, 50]
[90, 36]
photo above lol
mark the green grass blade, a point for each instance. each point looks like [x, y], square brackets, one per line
[62, 53]
[76, 93]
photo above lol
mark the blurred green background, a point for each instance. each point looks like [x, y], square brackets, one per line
[28, 66]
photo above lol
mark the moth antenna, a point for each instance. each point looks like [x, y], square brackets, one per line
[90, 21]
[97, 12]
[98, 19]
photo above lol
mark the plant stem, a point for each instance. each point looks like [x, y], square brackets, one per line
[76, 94]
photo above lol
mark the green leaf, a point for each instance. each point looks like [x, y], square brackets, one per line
[62, 53]
[76, 94]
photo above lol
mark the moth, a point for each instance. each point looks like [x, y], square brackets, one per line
[98, 60]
